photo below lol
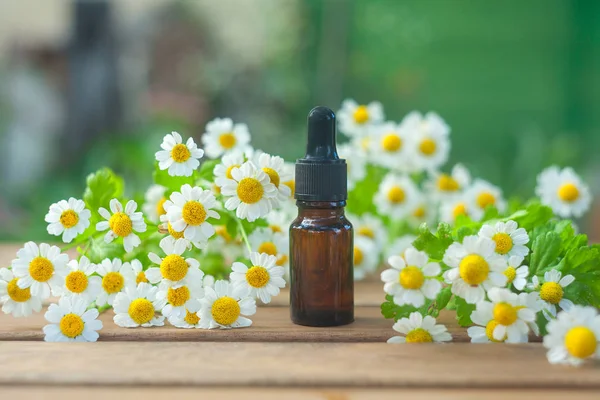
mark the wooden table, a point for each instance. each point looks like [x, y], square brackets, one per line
[275, 359]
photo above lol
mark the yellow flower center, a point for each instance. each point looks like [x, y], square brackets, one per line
[76, 282]
[446, 183]
[141, 277]
[411, 278]
[361, 114]
[178, 297]
[229, 169]
[396, 195]
[193, 213]
[358, 256]
[366, 231]
[16, 293]
[427, 146]
[486, 199]
[191, 318]
[459, 209]
[419, 212]
[504, 243]
[551, 292]
[69, 218]
[391, 142]
[511, 274]
[268, 247]
[120, 224]
[227, 140]
[250, 190]
[419, 335]
[141, 311]
[275, 228]
[568, 192]
[282, 260]
[505, 314]
[160, 209]
[489, 331]
[257, 276]
[292, 186]
[581, 342]
[225, 311]
[113, 282]
[222, 231]
[71, 325]
[41, 269]
[180, 153]
[173, 232]
[216, 189]
[473, 269]
[174, 267]
[273, 175]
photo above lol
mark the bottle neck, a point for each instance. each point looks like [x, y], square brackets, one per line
[321, 209]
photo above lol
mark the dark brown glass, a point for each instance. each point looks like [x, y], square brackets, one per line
[321, 265]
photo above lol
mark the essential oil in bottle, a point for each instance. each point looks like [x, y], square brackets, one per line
[321, 238]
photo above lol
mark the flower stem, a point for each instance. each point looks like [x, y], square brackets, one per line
[244, 236]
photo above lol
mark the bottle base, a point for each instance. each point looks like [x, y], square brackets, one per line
[322, 318]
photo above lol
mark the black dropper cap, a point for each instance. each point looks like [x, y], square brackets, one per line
[321, 175]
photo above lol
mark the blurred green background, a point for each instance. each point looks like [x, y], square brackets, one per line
[90, 83]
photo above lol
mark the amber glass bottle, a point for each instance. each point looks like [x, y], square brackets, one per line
[321, 238]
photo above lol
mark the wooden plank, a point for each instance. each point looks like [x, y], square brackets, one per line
[366, 294]
[317, 365]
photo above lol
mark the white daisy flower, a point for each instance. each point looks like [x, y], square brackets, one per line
[399, 246]
[563, 191]
[279, 221]
[70, 322]
[417, 329]
[412, 278]
[574, 336]
[222, 171]
[371, 227]
[290, 171]
[430, 148]
[509, 238]
[173, 269]
[133, 271]
[178, 158]
[481, 195]
[366, 257]
[138, 306]
[516, 274]
[355, 119]
[421, 212]
[475, 268]
[552, 291]
[446, 186]
[396, 196]
[113, 281]
[263, 280]
[223, 307]
[174, 301]
[42, 269]
[16, 301]
[222, 136]
[154, 201]
[390, 147]
[431, 122]
[191, 317]
[507, 317]
[208, 281]
[230, 248]
[452, 208]
[264, 240]
[249, 192]
[122, 223]
[274, 167]
[81, 282]
[68, 218]
[188, 211]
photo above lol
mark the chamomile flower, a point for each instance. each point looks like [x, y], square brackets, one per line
[222, 171]
[451, 209]
[133, 271]
[290, 172]
[481, 195]
[188, 211]
[417, 329]
[138, 306]
[412, 278]
[191, 318]
[153, 206]
[563, 191]
[507, 317]
[178, 158]
[274, 167]
[356, 163]
[516, 274]
[81, 281]
[475, 268]
[250, 192]
[421, 212]
[279, 221]
[225, 306]
[122, 223]
[41, 268]
[390, 147]
[430, 145]
[396, 196]
[574, 336]
[113, 281]
[371, 227]
[174, 301]
[262, 280]
[68, 218]
[552, 291]
[399, 246]
[264, 240]
[366, 257]
[173, 269]
[509, 238]
[16, 301]
[70, 322]
[355, 119]
[415, 122]
[446, 186]
[223, 136]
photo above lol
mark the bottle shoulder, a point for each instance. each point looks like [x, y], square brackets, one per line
[318, 223]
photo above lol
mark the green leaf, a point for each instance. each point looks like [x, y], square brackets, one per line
[99, 250]
[463, 232]
[490, 213]
[172, 183]
[360, 199]
[102, 186]
[441, 301]
[463, 312]
[541, 322]
[214, 264]
[207, 168]
[534, 215]
[544, 252]
[434, 245]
